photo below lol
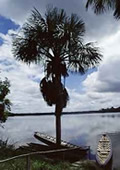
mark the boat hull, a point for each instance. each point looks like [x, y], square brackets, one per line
[50, 140]
[76, 152]
[104, 151]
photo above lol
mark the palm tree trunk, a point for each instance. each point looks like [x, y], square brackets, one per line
[58, 111]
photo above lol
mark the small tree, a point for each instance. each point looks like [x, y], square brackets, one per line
[55, 41]
[4, 102]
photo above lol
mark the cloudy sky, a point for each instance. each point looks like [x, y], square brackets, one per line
[99, 88]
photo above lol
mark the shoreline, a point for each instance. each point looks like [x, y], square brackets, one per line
[63, 113]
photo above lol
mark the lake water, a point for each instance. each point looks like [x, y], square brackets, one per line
[77, 129]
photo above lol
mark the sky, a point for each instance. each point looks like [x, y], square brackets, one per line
[98, 88]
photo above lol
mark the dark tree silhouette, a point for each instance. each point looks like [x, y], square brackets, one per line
[4, 102]
[100, 6]
[55, 41]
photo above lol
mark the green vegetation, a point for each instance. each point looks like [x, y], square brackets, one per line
[88, 165]
[5, 104]
[37, 162]
[20, 164]
[36, 165]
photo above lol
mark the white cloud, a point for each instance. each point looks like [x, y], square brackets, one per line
[19, 11]
[101, 87]
[15, 10]
[104, 85]
[25, 94]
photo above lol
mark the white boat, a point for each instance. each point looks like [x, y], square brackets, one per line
[104, 150]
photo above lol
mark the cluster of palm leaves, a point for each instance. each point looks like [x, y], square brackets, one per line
[55, 41]
[50, 92]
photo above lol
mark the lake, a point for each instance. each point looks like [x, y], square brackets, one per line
[82, 129]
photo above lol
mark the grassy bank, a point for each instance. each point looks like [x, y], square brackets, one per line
[20, 164]
[37, 162]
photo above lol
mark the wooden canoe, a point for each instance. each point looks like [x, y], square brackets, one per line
[78, 152]
[50, 140]
[104, 150]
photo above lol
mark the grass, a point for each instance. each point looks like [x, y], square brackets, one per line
[88, 165]
[20, 164]
[36, 165]
[37, 162]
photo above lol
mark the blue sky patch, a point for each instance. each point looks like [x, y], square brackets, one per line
[75, 79]
[6, 24]
[33, 78]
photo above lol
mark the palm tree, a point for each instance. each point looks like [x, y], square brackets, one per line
[55, 41]
[100, 6]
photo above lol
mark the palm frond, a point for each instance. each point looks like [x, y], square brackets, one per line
[31, 46]
[101, 6]
[87, 56]
[76, 26]
[117, 9]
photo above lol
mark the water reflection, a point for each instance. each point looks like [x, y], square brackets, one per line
[78, 129]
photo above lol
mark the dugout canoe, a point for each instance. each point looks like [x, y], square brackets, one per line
[104, 150]
[50, 140]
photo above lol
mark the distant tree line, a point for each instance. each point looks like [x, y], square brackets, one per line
[112, 109]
